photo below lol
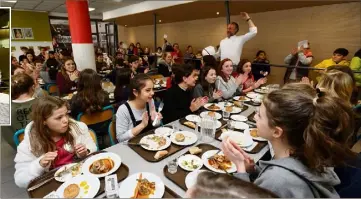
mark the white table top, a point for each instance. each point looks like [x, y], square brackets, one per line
[137, 164]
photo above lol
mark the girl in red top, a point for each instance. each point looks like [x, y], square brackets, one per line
[67, 78]
[245, 67]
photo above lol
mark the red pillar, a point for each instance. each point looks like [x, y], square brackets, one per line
[81, 35]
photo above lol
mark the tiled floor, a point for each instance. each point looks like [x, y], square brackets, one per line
[8, 186]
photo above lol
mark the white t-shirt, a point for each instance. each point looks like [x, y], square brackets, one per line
[232, 47]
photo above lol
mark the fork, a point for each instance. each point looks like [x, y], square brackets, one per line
[160, 108]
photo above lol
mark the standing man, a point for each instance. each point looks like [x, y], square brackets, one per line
[231, 47]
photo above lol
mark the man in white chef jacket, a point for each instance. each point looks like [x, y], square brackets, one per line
[231, 47]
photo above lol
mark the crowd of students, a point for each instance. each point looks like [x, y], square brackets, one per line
[311, 127]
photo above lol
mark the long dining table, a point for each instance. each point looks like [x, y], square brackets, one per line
[137, 164]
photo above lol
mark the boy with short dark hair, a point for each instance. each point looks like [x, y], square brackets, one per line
[338, 58]
[179, 101]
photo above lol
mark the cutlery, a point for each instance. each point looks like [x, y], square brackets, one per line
[211, 157]
[160, 108]
[40, 184]
[137, 144]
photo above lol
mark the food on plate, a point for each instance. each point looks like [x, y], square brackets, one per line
[190, 124]
[160, 154]
[214, 107]
[190, 164]
[144, 188]
[75, 170]
[179, 137]
[71, 191]
[101, 166]
[242, 98]
[237, 103]
[161, 82]
[212, 114]
[229, 108]
[253, 132]
[220, 162]
[161, 141]
[195, 150]
[70, 95]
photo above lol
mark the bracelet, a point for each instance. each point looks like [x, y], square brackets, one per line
[248, 19]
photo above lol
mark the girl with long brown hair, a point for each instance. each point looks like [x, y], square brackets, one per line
[248, 84]
[226, 82]
[67, 78]
[207, 87]
[90, 96]
[309, 132]
[51, 140]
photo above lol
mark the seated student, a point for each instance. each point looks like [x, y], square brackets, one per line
[137, 114]
[248, 84]
[100, 63]
[30, 56]
[143, 65]
[24, 50]
[22, 91]
[178, 100]
[260, 65]
[134, 65]
[356, 65]
[18, 70]
[302, 57]
[50, 61]
[207, 86]
[165, 64]
[51, 140]
[14, 64]
[67, 78]
[338, 58]
[217, 185]
[122, 91]
[305, 151]
[33, 72]
[226, 82]
[90, 96]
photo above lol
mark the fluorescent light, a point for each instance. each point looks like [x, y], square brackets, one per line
[217, 13]
[91, 9]
[10, 1]
[160, 20]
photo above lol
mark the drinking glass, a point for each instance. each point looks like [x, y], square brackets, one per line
[175, 127]
[172, 166]
[226, 115]
[208, 129]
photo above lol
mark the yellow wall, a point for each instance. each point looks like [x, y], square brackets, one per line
[38, 21]
[326, 27]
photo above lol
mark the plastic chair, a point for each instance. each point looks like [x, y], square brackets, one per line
[102, 116]
[52, 89]
[18, 136]
[94, 136]
[112, 133]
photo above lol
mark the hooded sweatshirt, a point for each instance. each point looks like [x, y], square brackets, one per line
[289, 178]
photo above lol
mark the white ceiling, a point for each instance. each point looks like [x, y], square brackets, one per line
[59, 6]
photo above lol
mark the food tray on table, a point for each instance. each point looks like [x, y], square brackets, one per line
[53, 185]
[253, 103]
[179, 177]
[251, 117]
[149, 155]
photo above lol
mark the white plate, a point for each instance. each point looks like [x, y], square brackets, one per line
[127, 187]
[191, 178]
[252, 95]
[247, 132]
[210, 153]
[218, 124]
[237, 99]
[188, 158]
[241, 139]
[205, 114]
[209, 104]
[239, 125]
[67, 176]
[190, 138]
[163, 131]
[153, 146]
[92, 182]
[116, 159]
[193, 118]
[240, 118]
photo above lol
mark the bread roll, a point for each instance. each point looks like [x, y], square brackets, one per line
[195, 150]
[160, 154]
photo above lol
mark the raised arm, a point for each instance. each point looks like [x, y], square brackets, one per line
[252, 28]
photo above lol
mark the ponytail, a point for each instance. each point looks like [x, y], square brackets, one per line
[316, 126]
